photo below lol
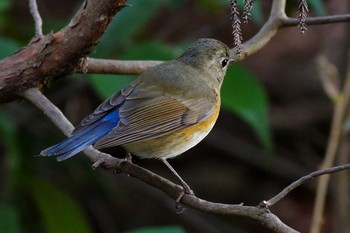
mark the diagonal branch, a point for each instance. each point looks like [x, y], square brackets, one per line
[265, 34]
[55, 55]
[35, 96]
[106, 161]
[263, 215]
[303, 180]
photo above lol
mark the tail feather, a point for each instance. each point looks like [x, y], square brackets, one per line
[84, 138]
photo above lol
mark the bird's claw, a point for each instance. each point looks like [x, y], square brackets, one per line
[178, 206]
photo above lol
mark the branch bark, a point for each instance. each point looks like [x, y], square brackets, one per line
[108, 66]
[56, 55]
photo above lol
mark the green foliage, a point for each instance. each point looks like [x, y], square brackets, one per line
[9, 219]
[317, 6]
[257, 14]
[107, 85]
[214, 6]
[244, 96]
[120, 36]
[130, 23]
[167, 229]
[59, 211]
[9, 139]
[4, 8]
[7, 47]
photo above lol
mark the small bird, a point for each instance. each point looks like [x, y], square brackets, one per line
[166, 111]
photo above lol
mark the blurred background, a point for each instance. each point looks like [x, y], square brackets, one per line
[273, 127]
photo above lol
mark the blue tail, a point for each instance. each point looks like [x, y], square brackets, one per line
[86, 137]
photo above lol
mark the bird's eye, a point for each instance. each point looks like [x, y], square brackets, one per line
[224, 62]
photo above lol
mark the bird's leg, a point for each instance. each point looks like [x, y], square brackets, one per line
[186, 188]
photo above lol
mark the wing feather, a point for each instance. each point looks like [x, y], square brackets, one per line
[160, 116]
[114, 101]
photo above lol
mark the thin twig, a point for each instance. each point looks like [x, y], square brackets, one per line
[287, 21]
[329, 77]
[304, 179]
[342, 190]
[33, 7]
[108, 66]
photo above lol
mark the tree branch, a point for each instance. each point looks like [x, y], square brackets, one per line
[287, 22]
[106, 161]
[108, 66]
[56, 55]
[35, 96]
[276, 21]
[265, 34]
[303, 180]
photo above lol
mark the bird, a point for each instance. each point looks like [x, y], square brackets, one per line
[166, 111]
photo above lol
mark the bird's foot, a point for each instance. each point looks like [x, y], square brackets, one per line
[178, 206]
[185, 190]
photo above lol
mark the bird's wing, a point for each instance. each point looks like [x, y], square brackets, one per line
[111, 103]
[148, 114]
